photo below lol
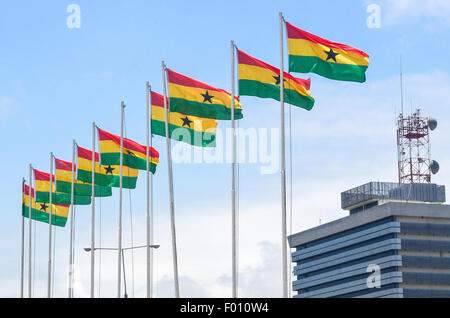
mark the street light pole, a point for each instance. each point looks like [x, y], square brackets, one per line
[89, 249]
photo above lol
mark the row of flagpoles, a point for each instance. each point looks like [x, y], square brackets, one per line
[349, 66]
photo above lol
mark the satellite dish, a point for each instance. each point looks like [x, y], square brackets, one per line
[434, 167]
[432, 123]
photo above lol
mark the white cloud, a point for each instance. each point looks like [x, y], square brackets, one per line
[263, 279]
[7, 105]
[165, 288]
[399, 11]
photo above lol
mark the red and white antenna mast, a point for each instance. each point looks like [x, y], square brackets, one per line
[413, 142]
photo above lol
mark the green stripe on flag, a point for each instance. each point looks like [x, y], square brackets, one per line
[183, 134]
[130, 161]
[264, 90]
[83, 189]
[43, 217]
[221, 112]
[107, 180]
[62, 198]
[335, 71]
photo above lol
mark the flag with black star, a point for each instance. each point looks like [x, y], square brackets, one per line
[81, 188]
[40, 211]
[309, 53]
[42, 186]
[260, 79]
[191, 97]
[105, 175]
[134, 154]
[188, 129]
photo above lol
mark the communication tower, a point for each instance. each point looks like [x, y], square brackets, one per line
[413, 142]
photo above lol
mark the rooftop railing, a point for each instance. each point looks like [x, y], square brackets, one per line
[375, 191]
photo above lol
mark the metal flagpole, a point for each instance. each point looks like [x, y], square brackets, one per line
[172, 207]
[283, 165]
[93, 213]
[72, 193]
[50, 215]
[30, 223]
[124, 277]
[149, 214]
[233, 185]
[22, 254]
[120, 202]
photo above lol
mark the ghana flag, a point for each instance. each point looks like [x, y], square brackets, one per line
[42, 185]
[191, 97]
[189, 129]
[64, 182]
[40, 211]
[134, 154]
[260, 79]
[107, 176]
[310, 53]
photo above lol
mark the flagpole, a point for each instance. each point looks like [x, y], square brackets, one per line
[171, 200]
[233, 184]
[93, 213]
[72, 190]
[50, 215]
[149, 214]
[30, 222]
[22, 254]
[283, 164]
[119, 250]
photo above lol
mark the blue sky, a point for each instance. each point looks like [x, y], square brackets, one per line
[55, 81]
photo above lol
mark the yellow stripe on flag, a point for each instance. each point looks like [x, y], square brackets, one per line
[198, 123]
[195, 95]
[302, 47]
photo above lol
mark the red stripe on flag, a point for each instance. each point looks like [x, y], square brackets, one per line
[158, 100]
[127, 143]
[42, 176]
[63, 165]
[296, 33]
[87, 154]
[244, 58]
[179, 79]
[26, 191]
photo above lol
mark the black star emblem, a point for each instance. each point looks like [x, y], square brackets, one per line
[278, 79]
[331, 55]
[130, 153]
[44, 207]
[109, 169]
[207, 97]
[186, 121]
